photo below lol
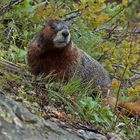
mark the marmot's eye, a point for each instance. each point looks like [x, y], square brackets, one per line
[53, 27]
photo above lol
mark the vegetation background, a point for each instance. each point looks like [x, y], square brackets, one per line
[108, 30]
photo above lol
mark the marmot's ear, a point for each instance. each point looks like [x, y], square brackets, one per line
[45, 23]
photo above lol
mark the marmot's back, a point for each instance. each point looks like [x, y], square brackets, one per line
[89, 69]
[52, 51]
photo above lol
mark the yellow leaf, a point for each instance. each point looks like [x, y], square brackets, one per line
[124, 2]
[115, 83]
[137, 88]
[131, 90]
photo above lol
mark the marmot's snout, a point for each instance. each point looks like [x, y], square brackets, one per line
[62, 38]
[65, 33]
[56, 34]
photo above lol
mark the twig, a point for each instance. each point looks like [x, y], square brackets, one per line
[8, 6]
[120, 86]
[134, 71]
[73, 14]
[9, 66]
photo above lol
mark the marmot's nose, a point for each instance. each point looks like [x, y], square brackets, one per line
[65, 33]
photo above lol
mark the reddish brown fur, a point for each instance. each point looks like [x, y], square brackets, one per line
[51, 61]
[125, 107]
[43, 57]
[129, 108]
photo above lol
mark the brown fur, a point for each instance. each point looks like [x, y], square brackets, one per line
[44, 57]
[52, 61]
[129, 108]
[125, 107]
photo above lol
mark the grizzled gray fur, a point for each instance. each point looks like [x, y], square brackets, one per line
[89, 69]
[52, 51]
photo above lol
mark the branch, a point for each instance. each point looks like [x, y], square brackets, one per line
[73, 14]
[134, 78]
[9, 66]
[9, 6]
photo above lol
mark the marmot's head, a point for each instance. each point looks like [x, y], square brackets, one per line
[55, 34]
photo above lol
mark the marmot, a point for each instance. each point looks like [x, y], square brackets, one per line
[52, 51]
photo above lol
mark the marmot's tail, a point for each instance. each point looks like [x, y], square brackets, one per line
[131, 109]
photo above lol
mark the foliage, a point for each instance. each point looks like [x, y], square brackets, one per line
[108, 31]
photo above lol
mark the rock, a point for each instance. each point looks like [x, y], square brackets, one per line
[17, 123]
[112, 136]
[91, 135]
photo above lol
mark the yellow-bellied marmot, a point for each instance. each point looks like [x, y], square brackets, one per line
[52, 51]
